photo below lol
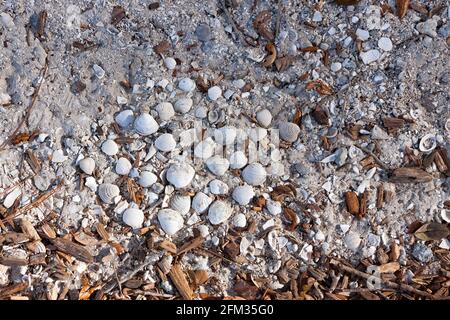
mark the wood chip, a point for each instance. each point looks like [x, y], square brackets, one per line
[169, 246]
[389, 267]
[13, 261]
[48, 231]
[394, 254]
[347, 2]
[362, 205]
[320, 86]
[321, 116]
[200, 277]
[178, 278]
[118, 14]
[29, 229]
[410, 175]
[33, 161]
[380, 196]
[42, 20]
[291, 216]
[402, 7]
[100, 228]
[13, 289]
[246, 290]
[352, 203]
[393, 124]
[271, 55]
[75, 250]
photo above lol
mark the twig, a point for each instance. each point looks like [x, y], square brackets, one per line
[115, 282]
[241, 35]
[377, 160]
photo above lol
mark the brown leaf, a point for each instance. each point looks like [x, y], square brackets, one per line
[261, 25]
[352, 202]
[246, 290]
[271, 55]
[232, 250]
[321, 116]
[310, 49]
[402, 7]
[200, 277]
[162, 47]
[432, 231]
[297, 117]
[117, 15]
[282, 191]
[291, 216]
[320, 86]
[410, 175]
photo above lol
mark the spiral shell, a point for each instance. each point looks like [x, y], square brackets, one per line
[217, 165]
[183, 105]
[186, 85]
[201, 202]
[107, 192]
[225, 135]
[170, 220]
[123, 166]
[133, 217]
[254, 174]
[147, 179]
[238, 160]
[264, 118]
[243, 194]
[145, 124]
[87, 165]
[165, 111]
[181, 203]
[165, 142]
[110, 147]
[428, 143]
[289, 131]
[219, 212]
[125, 118]
[218, 187]
[180, 175]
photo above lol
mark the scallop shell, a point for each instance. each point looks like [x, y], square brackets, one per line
[186, 84]
[219, 212]
[183, 105]
[180, 175]
[225, 135]
[257, 134]
[125, 118]
[107, 192]
[11, 198]
[110, 147]
[165, 111]
[217, 165]
[243, 194]
[87, 165]
[201, 202]
[181, 203]
[170, 220]
[205, 149]
[133, 217]
[238, 160]
[165, 142]
[289, 131]
[254, 174]
[145, 124]
[214, 93]
[147, 179]
[218, 187]
[427, 143]
[264, 118]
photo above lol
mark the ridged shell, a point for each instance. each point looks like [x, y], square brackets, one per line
[254, 174]
[201, 202]
[110, 147]
[225, 135]
[181, 203]
[133, 217]
[170, 220]
[145, 124]
[165, 142]
[238, 160]
[219, 212]
[186, 84]
[217, 165]
[165, 111]
[147, 179]
[183, 105]
[205, 149]
[257, 134]
[123, 166]
[243, 194]
[264, 118]
[218, 187]
[87, 165]
[289, 131]
[427, 143]
[107, 192]
[180, 175]
[125, 118]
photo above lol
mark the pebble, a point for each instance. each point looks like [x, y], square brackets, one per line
[170, 63]
[98, 71]
[352, 240]
[203, 32]
[110, 147]
[214, 93]
[370, 56]
[385, 44]
[186, 84]
[422, 253]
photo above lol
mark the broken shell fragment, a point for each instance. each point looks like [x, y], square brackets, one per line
[147, 179]
[217, 165]
[87, 165]
[181, 203]
[201, 202]
[145, 124]
[123, 166]
[427, 143]
[170, 220]
[289, 131]
[110, 147]
[243, 194]
[133, 217]
[180, 175]
[254, 174]
[165, 142]
[219, 212]
[12, 197]
[107, 192]
[218, 187]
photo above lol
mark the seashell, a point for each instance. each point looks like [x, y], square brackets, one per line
[183, 105]
[165, 111]
[289, 131]
[121, 100]
[125, 118]
[165, 142]
[170, 220]
[264, 118]
[181, 203]
[447, 125]
[240, 220]
[427, 143]
[87, 165]
[123, 166]
[225, 135]
[219, 212]
[180, 175]
[217, 165]
[243, 194]
[274, 207]
[11, 198]
[201, 202]
[218, 187]
[257, 134]
[107, 192]
[145, 124]
[238, 160]
[133, 217]
[216, 116]
[147, 178]
[170, 63]
[205, 149]
[214, 93]
[254, 174]
[186, 84]
[110, 147]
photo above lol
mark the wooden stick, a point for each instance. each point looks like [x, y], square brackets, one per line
[377, 160]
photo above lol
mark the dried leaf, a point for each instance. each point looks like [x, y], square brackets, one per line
[280, 192]
[100, 228]
[200, 277]
[291, 216]
[246, 290]
[402, 7]
[29, 229]
[410, 175]
[271, 55]
[117, 15]
[162, 47]
[297, 117]
[432, 231]
[261, 25]
[321, 116]
[352, 202]
[320, 86]
[232, 250]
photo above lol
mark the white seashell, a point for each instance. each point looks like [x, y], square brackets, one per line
[214, 93]
[145, 124]
[225, 135]
[205, 149]
[218, 187]
[257, 134]
[427, 143]
[165, 142]
[254, 174]
[180, 175]
[238, 160]
[240, 220]
[219, 212]
[243, 194]
[186, 84]
[170, 220]
[170, 63]
[201, 202]
[123, 166]
[217, 165]
[183, 105]
[264, 118]
[125, 118]
[133, 217]
[165, 111]
[289, 131]
[110, 147]
[107, 192]
[274, 207]
[11, 198]
[181, 203]
[91, 184]
[121, 100]
[87, 165]
[147, 178]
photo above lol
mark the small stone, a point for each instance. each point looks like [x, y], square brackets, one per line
[203, 32]
[352, 241]
[336, 66]
[98, 71]
[362, 35]
[370, 56]
[121, 100]
[422, 253]
[170, 63]
[214, 93]
[428, 27]
[385, 44]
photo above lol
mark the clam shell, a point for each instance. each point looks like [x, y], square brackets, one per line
[145, 124]
[205, 149]
[201, 202]
[186, 85]
[170, 220]
[240, 220]
[170, 63]
[264, 118]
[225, 135]
[165, 142]
[110, 147]
[214, 93]
[12, 197]
[125, 118]
[219, 212]
[147, 179]
[165, 111]
[123, 166]
[218, 187]
[238, 160]
[257, 134]
[254, 174]
[133, 217]
[107, 192]
[183, 105]
[217, 165]
[289, 131]
[428, 143]
[181, 203]
[243, 194]
[87, 165]
[180, 175]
